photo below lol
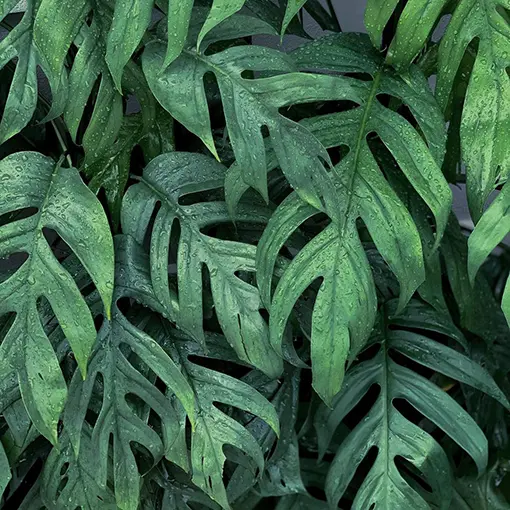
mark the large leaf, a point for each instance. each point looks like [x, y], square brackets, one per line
[57, 26]
[65, 204]
[486, 109]
[166, 181]
[342, 319]
[212, 427]
[249, 105]
[388, 429]
[111, 368]
[22, 99]
[480, 313]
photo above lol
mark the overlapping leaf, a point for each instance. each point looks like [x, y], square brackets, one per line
[166, 181]
[486, 108]
[249, 105]
[215, 429]
[72, 480]
[65, 204]
[117, 417]
[212, 428]
[488, 233]
[386, 427]
[342, 320]
[471, 493]
[22, 99]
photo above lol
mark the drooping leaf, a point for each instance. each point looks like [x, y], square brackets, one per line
[213, 428]
[111, 366]
[167, 180]
[293, 7]
[415, 24]
[65, 204]
[22, 99]
[249, 104]
[342, 324]
[387, 428]
[488, 233]
[485, 111]
[480, 313]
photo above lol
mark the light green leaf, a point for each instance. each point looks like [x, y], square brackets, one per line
[293, 7]
[167, 180]
[340, 324]
[488, 233]
[480, 313]
[22, 99]
[485, 110]
[66, 205]
[59, 25]
[88, 66]
[386, 428]
[130, 21]
[212, 427]
[249, 104]
[413, 28]
[485, 115]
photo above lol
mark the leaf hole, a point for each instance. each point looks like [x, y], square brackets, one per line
[412, 474]
[11, 263]
[62, 485]
[96, 400]
[88, 110]
[362, 408]
[359, 476]
[150, 226]
[64, 468]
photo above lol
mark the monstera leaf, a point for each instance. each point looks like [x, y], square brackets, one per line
[386, 426]
[212, 428]
[129, 23]
[249, 105]
[116, 416]
[485, 114]
[22, 99]
[488, 233]
[111, 171]
[166, 181]
[71, 479]
[336, 254]
[65, 204]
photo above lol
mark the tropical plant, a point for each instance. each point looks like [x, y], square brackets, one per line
[230, 273]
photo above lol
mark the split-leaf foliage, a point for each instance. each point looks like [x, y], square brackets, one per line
[231, 276]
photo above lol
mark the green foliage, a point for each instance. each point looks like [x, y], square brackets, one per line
[230, 274]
